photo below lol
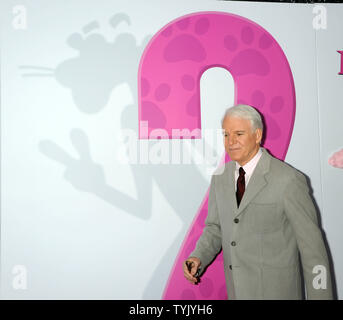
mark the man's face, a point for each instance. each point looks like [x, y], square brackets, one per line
[241, 143]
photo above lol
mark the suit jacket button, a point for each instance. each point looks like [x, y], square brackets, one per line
[236, 220]
[233, 243]
[230, 267]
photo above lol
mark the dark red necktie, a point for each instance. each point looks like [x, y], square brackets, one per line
[240, 186]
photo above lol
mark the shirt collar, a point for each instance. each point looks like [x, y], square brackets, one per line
[250, 166]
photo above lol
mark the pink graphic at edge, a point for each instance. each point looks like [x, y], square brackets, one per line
[169, 98]
[336, 160]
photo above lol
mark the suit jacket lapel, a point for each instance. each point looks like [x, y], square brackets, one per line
[256, 183]
[229, 186]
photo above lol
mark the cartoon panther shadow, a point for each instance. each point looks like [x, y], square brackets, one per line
[99, 67]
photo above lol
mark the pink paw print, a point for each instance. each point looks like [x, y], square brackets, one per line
[186, 45]
[153, 103]
[336, 160]
[250, 58]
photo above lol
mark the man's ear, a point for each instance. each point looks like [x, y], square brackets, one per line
[258, 134]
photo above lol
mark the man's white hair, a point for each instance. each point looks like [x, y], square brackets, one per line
[244, 111]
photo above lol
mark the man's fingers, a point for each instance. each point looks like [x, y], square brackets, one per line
[190, 265]
[186, 269]
[194, 270]
[190, 278]
[189, 270]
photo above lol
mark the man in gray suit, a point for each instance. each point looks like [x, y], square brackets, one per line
[261, 214]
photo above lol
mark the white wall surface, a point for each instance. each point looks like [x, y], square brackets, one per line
[112, 231]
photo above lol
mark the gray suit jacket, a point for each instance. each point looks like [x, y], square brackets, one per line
[262, 239]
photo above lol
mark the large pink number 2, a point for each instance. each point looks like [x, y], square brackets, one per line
[169, 98]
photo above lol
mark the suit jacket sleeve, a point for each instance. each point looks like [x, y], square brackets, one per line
[209, 243]
[301, 213]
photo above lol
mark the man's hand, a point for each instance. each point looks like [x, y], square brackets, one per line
[190, 267]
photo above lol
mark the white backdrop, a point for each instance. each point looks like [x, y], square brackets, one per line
[78, 224]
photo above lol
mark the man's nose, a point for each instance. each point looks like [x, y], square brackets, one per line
[232, 140]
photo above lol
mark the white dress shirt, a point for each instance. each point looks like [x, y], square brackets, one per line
[248, 168]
